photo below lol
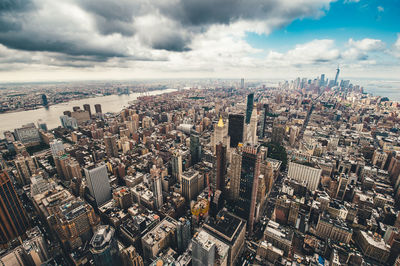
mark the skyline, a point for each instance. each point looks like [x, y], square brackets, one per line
[43, 40]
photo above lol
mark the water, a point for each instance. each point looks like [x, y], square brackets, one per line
[51, 116]
[390, 88]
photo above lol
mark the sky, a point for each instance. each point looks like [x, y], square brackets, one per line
[47, 40]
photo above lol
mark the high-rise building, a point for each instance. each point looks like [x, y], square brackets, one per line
[229, 229]
[86, 107]
[337, 76]
[155, 179]
[234, 174]
[25, 166]
[341, 190]
[195, 147]
[242, 83]
[57, 147]
[159, 238]
[294, 132]
[97, 107]
[278, 132]
[13, 219]
[322, 80]
[183, 234]
[111, 145]
[310, 175]
[130, 257]
[235, 129]
[81, 116]
[250, 132]
[68, 122]
[28, 134]
[98, 183]
[221, 167]
[220, 134]
[250, 172]
[44, 100]
[176, 164]
[203, 250]
[249, 109]
[265, 111]
[104, 247]
[190, 184]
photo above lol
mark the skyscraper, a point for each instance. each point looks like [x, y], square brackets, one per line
[13, 219]
[278, 132]
[183, 234]
[156, 186]
[234, 174]
[220, 134]
[176, 164]
[250, 171]
[242, 83]
[235, 129]
[86, 107]
[111, 145]
[221, 166]
[265, 112]
[57, 147]
[337, 76]
[195, 147]
[97, 107]
[249, 109]
[104, 247]
[44, 100]
[203, 250]
[322, 80]
[98, 183]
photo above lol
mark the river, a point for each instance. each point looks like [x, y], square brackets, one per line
[51, 115]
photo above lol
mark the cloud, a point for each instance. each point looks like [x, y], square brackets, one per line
[396, 47]
[359, 50]
[316, 51]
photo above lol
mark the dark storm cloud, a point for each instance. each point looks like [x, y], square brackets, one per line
[113, 16]
[119, 30]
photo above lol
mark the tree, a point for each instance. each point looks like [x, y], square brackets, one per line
[278, 152]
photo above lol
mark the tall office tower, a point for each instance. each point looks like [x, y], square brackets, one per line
[177, 165]
[310, 175]
[68, 122]
[86, 107]
[130, 257]
[111, 145]
[203, 250]
[221, 167]
[242, 83]
[98, 183]
[195, 147]
[265, 111]
[322, 80]
[190, 184]
[234, 174]
[57, 147]
[28, 134]
[337, 76]
[249, 184]
[249, 109]
[278, 132]
[44, 100]
[183, 234]
[61, 162]
[341, 190]
[73, 169]
[97, 107]
[13, 219]
[81, 116]
[155, 180]
[236, 129]
[220, 134]
[251, 129]
[294, 132]
[104, 247]
[25, 168]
